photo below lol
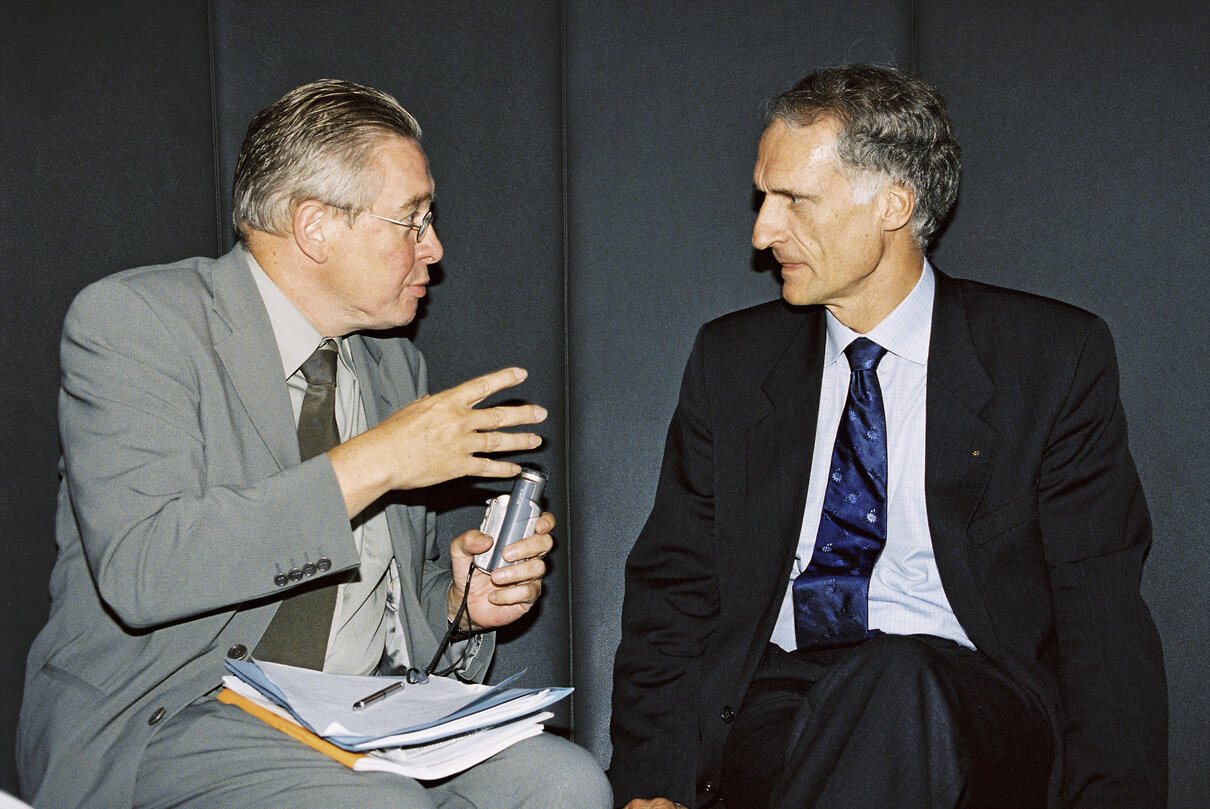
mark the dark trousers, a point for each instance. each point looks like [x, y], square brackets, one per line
[905, 721]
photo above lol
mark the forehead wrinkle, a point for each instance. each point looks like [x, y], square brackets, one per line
[787, 181]
[785, 150]
[787, 171]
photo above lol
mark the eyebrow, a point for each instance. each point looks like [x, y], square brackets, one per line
[415, 201]
[783, 192]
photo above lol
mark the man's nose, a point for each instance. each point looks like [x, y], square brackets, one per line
[432, 245]
[766, 230]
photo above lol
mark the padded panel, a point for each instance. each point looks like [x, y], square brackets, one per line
[1081, 181]
[484, 82]
[664, 105]
[1083, 128]
[106, 148]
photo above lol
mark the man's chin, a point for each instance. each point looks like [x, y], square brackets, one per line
[798, 287]
[406, 318]
[395, 319]
[796, 297]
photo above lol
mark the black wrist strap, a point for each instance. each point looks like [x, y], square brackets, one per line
[453, 633]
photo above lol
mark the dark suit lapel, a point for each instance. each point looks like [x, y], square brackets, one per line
[243, 339]
[960, 447]
[779, 448]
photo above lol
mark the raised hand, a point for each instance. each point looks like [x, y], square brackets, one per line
[436, 438]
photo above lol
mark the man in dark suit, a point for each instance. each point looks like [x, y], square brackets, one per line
[910, 578]
[235, 434]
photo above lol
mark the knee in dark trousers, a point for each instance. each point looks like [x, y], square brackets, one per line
[905, 721]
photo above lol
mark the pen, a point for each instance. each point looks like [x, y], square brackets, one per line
[377, 695]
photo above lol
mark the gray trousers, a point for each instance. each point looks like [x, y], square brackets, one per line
[213, 755]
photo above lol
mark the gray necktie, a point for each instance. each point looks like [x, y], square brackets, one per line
[298, 633]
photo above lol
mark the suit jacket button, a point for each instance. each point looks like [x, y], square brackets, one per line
[309, 569]
[295, 574]
[728, 714]
[323, 564]
[281, 579]
[711, 787]
[156, 717]
[237, 652]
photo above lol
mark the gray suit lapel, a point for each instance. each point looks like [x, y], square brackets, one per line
[960, 448]
[243, 339]
[386, 394]
[382, 394]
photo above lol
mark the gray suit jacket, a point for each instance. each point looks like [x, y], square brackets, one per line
[182, 497]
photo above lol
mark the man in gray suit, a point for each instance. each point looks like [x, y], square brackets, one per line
[190, 527]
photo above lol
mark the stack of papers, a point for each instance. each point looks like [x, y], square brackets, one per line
[423, 730]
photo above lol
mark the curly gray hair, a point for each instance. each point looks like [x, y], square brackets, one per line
[891, 126]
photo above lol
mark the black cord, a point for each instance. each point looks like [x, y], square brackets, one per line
[449, 634]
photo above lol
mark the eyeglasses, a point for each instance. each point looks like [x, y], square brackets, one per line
[420, 229]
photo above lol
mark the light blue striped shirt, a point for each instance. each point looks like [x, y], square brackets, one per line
[906, 596]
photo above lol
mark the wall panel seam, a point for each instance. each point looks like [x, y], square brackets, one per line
[567, 403]
[914, 38]
[216, 177]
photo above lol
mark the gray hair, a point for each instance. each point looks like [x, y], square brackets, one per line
[316, 142]
[891, 126]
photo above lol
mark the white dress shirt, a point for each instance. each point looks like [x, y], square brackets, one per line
[906, 596]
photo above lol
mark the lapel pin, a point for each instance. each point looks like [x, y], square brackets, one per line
[975, 453]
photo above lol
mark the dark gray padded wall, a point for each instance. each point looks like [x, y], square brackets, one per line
[484, 82]
[1083, 126]
[664, 114]
[107, 159]
[1083, 181]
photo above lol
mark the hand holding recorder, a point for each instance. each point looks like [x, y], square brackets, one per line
[506, 554]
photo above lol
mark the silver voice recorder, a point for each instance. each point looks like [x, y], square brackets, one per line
[511, 517]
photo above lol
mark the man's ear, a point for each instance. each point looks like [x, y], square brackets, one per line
[310, 224]
[898, 204]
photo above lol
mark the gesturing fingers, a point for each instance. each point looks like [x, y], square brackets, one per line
[493, 418]
[437, 437]
[444, 436]
[474, 391]
[504, 442]
[484, 425]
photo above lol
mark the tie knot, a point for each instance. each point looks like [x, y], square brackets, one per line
[864, 354]
[320, 367]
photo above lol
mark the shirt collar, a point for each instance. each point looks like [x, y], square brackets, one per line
[904, 332]
[296, 337]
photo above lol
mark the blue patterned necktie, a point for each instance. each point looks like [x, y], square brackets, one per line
[831, 596]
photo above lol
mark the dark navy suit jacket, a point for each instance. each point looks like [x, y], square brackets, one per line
[1037, 517]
